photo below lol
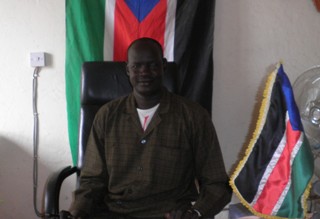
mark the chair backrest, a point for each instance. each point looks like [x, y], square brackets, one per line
[102, 82]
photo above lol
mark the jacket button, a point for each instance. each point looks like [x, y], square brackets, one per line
[143, 141]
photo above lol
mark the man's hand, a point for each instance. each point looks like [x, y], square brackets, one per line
[189, 214]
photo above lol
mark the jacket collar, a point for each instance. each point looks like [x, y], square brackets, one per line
[131, 111]
[163, 108]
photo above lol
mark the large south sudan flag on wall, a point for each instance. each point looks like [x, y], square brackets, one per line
[102, 29]
[273, 178]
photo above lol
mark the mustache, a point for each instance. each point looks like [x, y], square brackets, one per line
[145, 78]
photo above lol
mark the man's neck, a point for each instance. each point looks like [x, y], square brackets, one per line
[147, 102]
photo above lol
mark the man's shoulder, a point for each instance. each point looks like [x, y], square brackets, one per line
[184, 103]
[117, 101]
[113, 105]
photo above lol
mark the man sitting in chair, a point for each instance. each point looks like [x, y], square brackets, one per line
[145, 151]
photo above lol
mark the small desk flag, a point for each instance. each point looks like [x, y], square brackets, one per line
[273, 178]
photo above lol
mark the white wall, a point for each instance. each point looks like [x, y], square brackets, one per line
[250, 37]
[30, 26]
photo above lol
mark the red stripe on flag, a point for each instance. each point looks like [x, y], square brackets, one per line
[279, 176]
[155, 23]
[127, 28]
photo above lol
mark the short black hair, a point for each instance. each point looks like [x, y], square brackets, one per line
[146, 39]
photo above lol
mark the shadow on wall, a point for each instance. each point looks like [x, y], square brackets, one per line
[16, 182]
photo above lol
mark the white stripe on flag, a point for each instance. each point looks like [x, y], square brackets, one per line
[273, 162]
[170, 30]
[285, 191]
[109, 30]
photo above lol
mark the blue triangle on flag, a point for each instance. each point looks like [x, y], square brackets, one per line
[141, 8]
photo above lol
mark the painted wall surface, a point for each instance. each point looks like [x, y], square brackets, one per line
[250, 37]
[30, 26]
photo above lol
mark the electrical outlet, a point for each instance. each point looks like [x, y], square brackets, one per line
[37, 59]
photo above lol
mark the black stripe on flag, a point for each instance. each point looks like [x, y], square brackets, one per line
[273, 130]
[193, 49]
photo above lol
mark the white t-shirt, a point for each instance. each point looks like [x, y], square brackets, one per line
[146, 115]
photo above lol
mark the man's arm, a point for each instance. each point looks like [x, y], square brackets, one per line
[215, 191]
[93, 176]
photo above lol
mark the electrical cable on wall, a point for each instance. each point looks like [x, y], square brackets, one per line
[35, 140]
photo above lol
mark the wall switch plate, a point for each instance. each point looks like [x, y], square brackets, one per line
[37, 59]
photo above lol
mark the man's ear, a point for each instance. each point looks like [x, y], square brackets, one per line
[127, 68]
[164, 63]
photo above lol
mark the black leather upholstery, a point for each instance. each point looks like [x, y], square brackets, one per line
[100, 83]
[105, 81]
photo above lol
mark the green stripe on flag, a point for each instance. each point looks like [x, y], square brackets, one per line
[84, 42]
[293, 205]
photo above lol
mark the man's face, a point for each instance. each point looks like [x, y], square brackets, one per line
[145, 68]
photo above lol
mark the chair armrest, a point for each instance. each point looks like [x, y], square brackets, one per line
[52, 190]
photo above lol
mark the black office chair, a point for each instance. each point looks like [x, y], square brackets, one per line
[100, 83]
